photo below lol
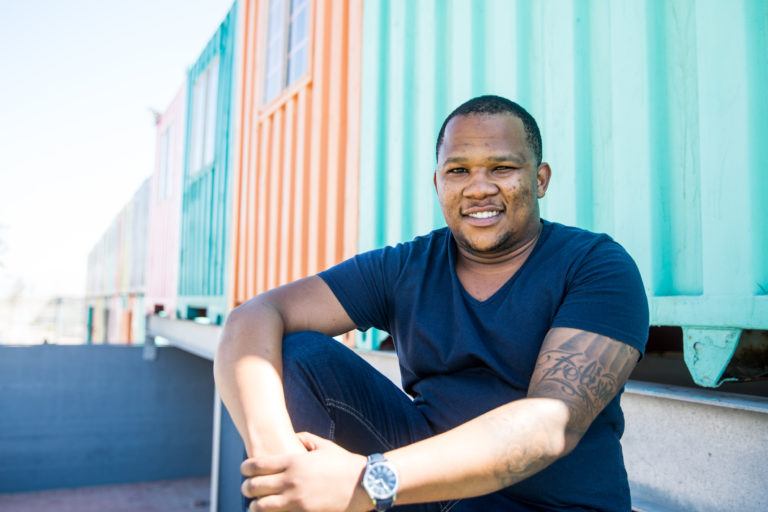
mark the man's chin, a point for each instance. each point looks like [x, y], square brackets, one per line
[482, 246]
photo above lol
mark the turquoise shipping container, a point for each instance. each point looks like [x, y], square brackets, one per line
[654, 116]
[206, 197]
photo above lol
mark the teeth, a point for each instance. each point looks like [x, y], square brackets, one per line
[483, 215]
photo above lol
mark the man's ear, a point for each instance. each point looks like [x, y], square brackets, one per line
[543, 174]
[434, 179]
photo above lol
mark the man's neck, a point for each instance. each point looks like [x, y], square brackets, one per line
[482, 277]
[490, 264]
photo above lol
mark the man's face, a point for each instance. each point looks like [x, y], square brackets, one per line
[488, 183]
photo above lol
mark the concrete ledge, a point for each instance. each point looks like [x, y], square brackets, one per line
[199, 339]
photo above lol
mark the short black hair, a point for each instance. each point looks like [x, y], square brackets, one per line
[490, 104]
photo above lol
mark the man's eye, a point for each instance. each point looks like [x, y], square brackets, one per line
[457, 170]
[503, 168]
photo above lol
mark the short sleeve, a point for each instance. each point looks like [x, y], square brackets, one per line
[605, 295]
[361, 285]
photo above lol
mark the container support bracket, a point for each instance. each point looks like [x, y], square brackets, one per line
[708, 351]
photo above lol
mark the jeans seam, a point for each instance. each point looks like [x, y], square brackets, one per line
[329, 402]
[448, 506]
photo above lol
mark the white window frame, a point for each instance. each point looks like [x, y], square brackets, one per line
[203, 118]
[279, 53]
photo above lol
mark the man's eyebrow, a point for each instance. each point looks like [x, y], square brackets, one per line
[512, 157]
[455, 160]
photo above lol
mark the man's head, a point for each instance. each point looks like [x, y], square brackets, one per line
[489, 177]
[490, 104]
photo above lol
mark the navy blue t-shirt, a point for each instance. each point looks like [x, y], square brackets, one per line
[461, 357]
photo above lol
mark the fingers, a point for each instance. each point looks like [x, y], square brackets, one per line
[262, 486]
[264, 465]
[312, 442]
[269, 504]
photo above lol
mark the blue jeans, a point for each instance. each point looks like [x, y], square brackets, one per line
[333, 393]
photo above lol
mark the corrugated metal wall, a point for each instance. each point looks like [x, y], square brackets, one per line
[654, 116]
[123, 250]
[297, 163]
[206, 201]
[136, 239]
[114, 320]
[165, 208]
[116, 271]
[109, 252]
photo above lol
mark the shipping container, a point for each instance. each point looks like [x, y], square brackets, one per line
[165, 210]
[102, 281]
[297, 163]
[131, 255]
[115, 322]
[654, 116]
[206, 189]
[115, 276]
[95, 321]
[137, 235]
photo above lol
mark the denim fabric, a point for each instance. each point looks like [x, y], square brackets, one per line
[333, 393]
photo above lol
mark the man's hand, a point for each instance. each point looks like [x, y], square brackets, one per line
[326, 478]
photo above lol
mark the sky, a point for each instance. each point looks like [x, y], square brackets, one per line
[78, 81]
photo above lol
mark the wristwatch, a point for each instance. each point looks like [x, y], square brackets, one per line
[380, 482]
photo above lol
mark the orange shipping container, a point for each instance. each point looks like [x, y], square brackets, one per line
[295, 197]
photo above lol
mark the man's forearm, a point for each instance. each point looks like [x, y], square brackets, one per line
[248, 373]
[488, 453]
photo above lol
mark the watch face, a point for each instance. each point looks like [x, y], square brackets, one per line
[380, 481]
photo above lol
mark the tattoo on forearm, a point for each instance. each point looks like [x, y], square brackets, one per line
[521, 458]
[592, 383]
[581, 369]
[585, 371]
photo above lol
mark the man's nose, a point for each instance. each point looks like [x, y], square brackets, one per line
[480, 185]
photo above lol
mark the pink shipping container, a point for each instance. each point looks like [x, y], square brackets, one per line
[162, 269]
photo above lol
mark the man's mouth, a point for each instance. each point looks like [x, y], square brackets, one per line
[482, 212]
[484, 215]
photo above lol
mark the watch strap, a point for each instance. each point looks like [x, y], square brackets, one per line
[376, 457]
[383, 505]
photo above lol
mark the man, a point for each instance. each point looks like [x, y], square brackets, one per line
[515, 337]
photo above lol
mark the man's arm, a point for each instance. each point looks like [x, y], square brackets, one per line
[577, 374]
[248, 363]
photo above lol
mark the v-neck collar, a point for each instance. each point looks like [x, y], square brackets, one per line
[452, 260]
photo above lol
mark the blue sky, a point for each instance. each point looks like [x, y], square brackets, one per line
[77, 138]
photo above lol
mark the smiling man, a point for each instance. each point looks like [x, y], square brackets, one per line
[515, 337]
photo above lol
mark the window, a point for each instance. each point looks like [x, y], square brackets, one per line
[287, 41]
[298, 40]
[203, 136]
